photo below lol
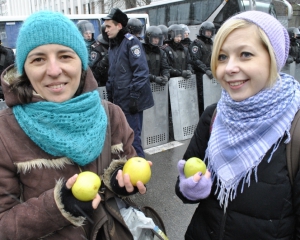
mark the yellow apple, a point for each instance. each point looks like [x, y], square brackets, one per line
[194, 165]
[138, 169]
[86, 186]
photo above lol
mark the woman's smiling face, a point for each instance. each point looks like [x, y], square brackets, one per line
[54, 71]
[243, 67]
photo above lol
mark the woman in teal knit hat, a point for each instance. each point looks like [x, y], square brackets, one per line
[55, 127]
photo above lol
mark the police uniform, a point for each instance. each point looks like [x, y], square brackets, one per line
[96, 54]
[178, 58]
[157, 61]
[200, 50]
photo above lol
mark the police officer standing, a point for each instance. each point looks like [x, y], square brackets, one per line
[178, 56]
[159, 69]
[7, 58]
[200, 50]
[186, 41]
[128, 84]
[294, 52]
[95, 49]
[135, 27]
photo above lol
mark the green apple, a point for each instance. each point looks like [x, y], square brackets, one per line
[138, 169]
[194, 165]
[86, 186]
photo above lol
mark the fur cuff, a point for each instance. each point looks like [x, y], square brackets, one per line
[109, 171]
[77, 221]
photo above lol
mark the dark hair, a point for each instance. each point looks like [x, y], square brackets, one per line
[22, 87]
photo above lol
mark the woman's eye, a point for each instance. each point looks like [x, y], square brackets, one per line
[37, 60]
[65, 56]
[246, 54]
[222, 57]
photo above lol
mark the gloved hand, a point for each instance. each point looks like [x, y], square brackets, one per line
[289, 60]
[191, 188]
[186, 74]
[209, 74]
[175, 73]
[133, 109]
[74, 206]
[161, 80]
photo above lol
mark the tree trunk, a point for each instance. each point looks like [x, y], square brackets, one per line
[130, 4]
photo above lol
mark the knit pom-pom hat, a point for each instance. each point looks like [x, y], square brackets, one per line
[46, 27]
[277, 34]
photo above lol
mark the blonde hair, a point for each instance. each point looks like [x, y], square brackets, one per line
[227, 28]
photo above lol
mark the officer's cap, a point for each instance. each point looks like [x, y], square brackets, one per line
[117, 15]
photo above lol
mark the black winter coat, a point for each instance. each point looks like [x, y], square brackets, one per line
[179, 58]
[267, 209]
[157, 61]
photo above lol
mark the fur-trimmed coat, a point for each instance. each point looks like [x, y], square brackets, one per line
[31, 179]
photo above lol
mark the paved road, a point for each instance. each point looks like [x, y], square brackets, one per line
[161, 194]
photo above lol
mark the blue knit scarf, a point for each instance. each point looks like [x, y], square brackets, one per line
[244, 131]
[75, 128]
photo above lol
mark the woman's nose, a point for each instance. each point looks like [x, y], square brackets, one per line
[53, 68]
[232, 66]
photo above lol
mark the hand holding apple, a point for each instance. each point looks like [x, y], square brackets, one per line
[86, 186]
[194, 165]
[196, 187]
[138, 169]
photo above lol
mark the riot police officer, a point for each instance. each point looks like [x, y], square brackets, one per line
[159, 69]
[164, 30]
[294, 52]
[186, 41]
[135, 27]
[96, 50]
[200, 50]
[178, 56]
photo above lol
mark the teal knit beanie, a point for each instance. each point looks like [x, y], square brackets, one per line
[46, 27]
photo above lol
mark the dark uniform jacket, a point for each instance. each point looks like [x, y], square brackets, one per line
[157, 61]
[200, 50]
[178, 58]
[186, 42]
[98, 52]
[128, 74]
[267, 209]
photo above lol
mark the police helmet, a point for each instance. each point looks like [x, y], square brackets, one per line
[164, 30]
[174, 30]
[104, 34]
[185, 28]
[135, 26]
[154, 36]
[85, 26]
[294, 32]
[101, 39]
[205, 27]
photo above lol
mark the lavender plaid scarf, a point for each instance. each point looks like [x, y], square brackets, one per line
[244, 131]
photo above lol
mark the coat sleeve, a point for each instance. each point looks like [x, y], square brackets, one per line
[121, 142]
[139, 66]
[296, 204]
[198, 144]
[32, 219]
[164, 65]
[196, 57]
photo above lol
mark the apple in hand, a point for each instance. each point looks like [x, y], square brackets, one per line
[194, 165]
[86, 186]
[138, 169]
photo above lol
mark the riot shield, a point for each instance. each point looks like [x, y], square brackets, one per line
[155, 129]
[211, 91]
[184, 106]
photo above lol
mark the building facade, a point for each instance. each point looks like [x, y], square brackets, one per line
[26, 7]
